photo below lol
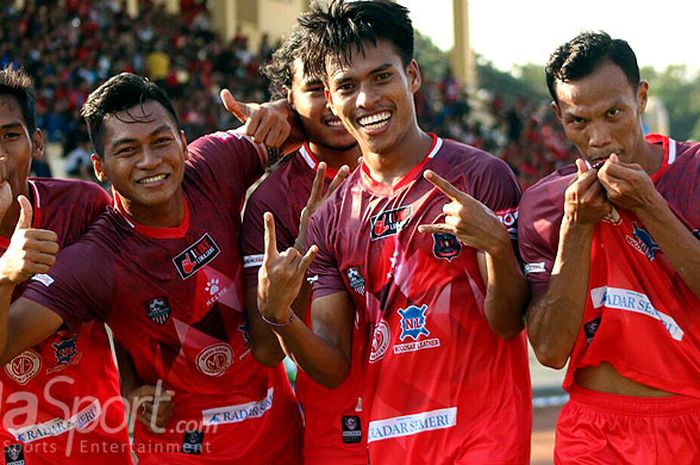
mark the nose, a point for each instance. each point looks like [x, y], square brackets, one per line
[367, 97]
[150, 158]
[598, 135]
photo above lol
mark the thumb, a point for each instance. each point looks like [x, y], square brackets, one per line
[236, 108]
[25, 213]
[581, 167]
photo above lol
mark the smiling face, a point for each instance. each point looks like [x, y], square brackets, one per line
[17, 146]
[321, 126]
[144, 154]
[601, 114]
[373, 96]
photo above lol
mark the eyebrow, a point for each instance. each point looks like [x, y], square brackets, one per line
[343, 77]
[11, 125]
[127, 140]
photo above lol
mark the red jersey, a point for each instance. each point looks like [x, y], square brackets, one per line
[443, 388]
[174, 299]
[332, 429]
[639, 315]
[60, 399]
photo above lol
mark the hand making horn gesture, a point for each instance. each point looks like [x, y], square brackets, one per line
[280, 277]
[465, 217]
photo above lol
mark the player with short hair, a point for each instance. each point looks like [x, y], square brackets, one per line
[162, 267]
[59, 397]
[332, 425]
[613, 266]
[410, 247]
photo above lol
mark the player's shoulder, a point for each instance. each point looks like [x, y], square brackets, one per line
[74, 187]
[280, 181]
[687, 152]
[456, 159]
[551, 187]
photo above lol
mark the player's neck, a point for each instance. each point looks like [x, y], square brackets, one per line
[650, 157]
[167, 215]
[9, 221]
[335, 158]
[392, 165]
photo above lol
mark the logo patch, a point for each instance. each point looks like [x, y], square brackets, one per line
[66, 353]
[509, 218]
[357, 282]
[696, 233]
[590, 329]
[238, 413]
[537, 267]
[380, 341]
[192, 442]
[158, 310]
[196, 256]
[389, 222]
[44, 279]
[24, 367]
[643, 242]
[413, 321]
[408, 425]
[215, 359]
[244, 328]
[352, 429]
[446, 246]
[14, 454]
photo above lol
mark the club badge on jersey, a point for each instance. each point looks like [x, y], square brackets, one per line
[446, 245]
[14, 454]
[357, 282]
[158, 310]
[352, 430]
[24, 367]
[192, 442]
[66, 353]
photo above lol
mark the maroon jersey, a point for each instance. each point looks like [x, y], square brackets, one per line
[639, 315]
[174, 299]
[332, 432]
[60, 399]
[443, 388]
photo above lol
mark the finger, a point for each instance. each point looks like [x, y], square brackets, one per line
[263, 130]
[443, 185]
[306, 260]
[237, 109]
[3, 169]
[435, 228]
[581, 167]
[359, 160]
[340, 176]
[252, 123]
[317, 185]
[41, 235]
[26, 213]
[270, 236]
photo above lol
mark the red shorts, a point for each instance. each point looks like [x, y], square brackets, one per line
[597, 428]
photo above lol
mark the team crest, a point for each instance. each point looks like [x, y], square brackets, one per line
[389, 222]
[352, 430]
[215, 359]
[413, 322]
[446, 245]
[380, 341]
[24, 367]
[643, 242]
[192, 442]
[14, 454]
[66, 353]
[194, 257]
[158, 310]
[590, 329]
[357, 282]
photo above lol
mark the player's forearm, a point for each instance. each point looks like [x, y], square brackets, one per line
[266, 348]
[506, 292]
[554, 319]
[678, 244]
[320, 359]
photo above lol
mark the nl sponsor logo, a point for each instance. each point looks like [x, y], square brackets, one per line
[409, 425]
[194, 257]
[636, 302]
[413, 328]
[238, 413]
[389, 222]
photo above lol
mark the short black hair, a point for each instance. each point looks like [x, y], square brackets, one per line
[118, 94]
[580, 57]
[279, 71]
[345, 26]
[16, 83]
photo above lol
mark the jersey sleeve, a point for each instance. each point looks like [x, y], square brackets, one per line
[76, 288]
[536, 251]
[323, 273]
[227, 161]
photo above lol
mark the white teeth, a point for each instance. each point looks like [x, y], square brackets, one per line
[375, 119]
[152, 179]
[334, 123]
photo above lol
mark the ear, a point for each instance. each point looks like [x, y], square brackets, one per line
[183, 141]
[98, 168]
[290, 98]
[642, 96]
[38, 144]
[414, 77]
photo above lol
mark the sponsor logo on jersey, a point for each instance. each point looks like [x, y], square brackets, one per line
[380, 341]
[413, 326]
[44, 279]
[14, 454]
[389, 222]
[696, 233]
[158, 310]
[192, 442]
[357, 282]
[408, 425]
[58, 426]
[24, 367]
[535, 268]
[509, 218]
[238, 413]
[250, 261]
[215, 289]
[194, 257]
[66, 353]
[352, 429]
[636, 302]
[215, 359]
[642, 241]
[590, 329]
[446, 245]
